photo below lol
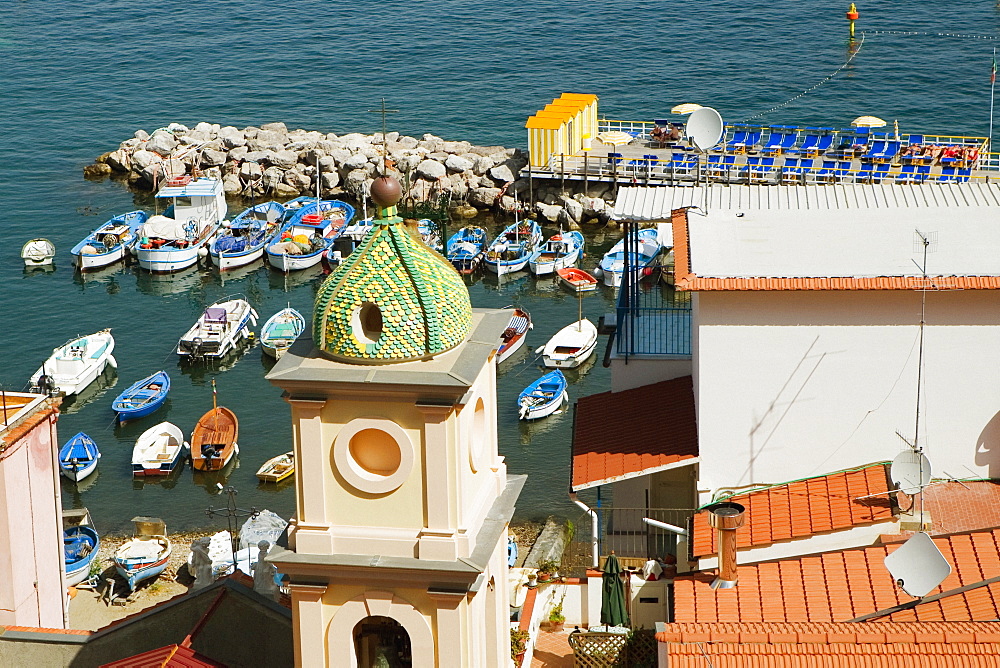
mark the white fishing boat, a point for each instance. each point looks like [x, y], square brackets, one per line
[558, 252]
[242, 241]
[280, 332]
[571, 346]
[312, 229]
[158, 450]
[146, 554]
[38, 252]
[110, 242]
[509, 252]
[222, 327]
[75, 364]
[176, 240]
[613, 262]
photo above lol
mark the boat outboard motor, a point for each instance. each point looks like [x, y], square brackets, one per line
[75, 463]
[45, 384]
[196, 347]
[207, 450]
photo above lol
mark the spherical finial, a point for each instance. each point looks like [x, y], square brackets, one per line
[386, 191]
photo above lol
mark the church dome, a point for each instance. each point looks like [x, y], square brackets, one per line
[393, 300]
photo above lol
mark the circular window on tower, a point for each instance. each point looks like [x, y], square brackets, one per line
[366, 323]
[373, 455]
[478, 438]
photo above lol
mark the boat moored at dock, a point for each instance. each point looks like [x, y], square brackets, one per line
[222, 327]
[242, 241]
[558, 252]
[510, 250]
[313, 228]
[174, 241]
[613, 263]
[110, 242]
[75, 364]
[466, 248]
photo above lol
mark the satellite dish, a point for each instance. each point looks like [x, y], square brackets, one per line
[910, 470]
[918, 566]
[704, 128]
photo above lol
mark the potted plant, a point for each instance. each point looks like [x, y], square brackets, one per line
[556, 618]
[547, 570]
[518, 645]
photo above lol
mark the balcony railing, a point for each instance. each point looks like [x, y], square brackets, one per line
[651, 318]
[623, 531]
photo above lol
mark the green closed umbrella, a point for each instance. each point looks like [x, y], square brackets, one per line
[613, 610]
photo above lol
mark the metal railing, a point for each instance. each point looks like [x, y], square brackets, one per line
[623, 531]
[651, 319]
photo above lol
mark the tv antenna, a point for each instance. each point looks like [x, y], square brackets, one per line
[385, 143]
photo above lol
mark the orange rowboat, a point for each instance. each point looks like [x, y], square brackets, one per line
[577, 280]
[213, 442]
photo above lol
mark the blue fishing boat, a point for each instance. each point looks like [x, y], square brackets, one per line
[80, 546]
[243, 240]
[613, 263]
[465, 248]
[280, 331]
[110, 242]
[146, 554]
[78, 458]
[543, 397]
[560, 251]
[302, 240]
[510, 251]
[430, 233]
[142, 397]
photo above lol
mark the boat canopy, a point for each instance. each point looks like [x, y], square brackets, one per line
[162, 227]
[199, 188]
[215, 315]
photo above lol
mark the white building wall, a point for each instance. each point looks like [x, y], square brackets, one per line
[796, 384]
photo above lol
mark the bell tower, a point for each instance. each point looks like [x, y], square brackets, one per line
[397, 552]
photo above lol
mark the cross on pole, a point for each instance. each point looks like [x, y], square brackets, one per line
[232, 513]
[384, 112]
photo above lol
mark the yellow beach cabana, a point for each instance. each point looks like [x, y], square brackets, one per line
[559, 128]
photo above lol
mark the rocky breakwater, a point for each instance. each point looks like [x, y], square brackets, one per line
[273, 161]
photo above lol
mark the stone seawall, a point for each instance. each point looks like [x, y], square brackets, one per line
[273, 161]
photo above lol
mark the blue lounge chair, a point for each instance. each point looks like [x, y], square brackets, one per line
[722, 169]
[881, 172]
[788, 141]
[844, 170]
[763, 170]
[773, 144]
[923, 173]
[790, 168]
[828, 171]
[615, 160]
[808, 145]
[947, 175]
[875, 150]
[649, 163]
[752, 162]
[907, 174]
[964, 174]
[866, 173]
[916, 139]
[753, 138]
[739, 139]
[891, 149]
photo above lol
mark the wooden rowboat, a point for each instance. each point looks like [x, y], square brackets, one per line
[277, 468]
[576, 280]
[213, 442]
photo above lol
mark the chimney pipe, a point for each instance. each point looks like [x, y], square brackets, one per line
[726, 518]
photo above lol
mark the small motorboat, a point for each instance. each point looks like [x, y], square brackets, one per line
[576, 280]
[146, 554]
[513, 337]
[176, 239]
[560, 251]
[38, 252]
[142, 397]
[543, 397]
[75, 364]
[222, 327]
[158, 450]
[80, 546]
[311, 230]
[466, 248]
[242, 241]
[510, 251]
[280, 331]
[277, 468]
[213, 441]
[571, 346]
[78, 458]
[430, 234]
[613, 262]
[110, 242]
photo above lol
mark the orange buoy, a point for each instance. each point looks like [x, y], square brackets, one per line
[852, 13]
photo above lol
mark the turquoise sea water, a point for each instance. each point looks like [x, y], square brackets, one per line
[78, 78]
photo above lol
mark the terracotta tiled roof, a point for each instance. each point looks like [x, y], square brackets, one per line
[839, 586]
[43, 629]
[801, 645]
[687, 280]
[618, 435]
[803, 508]
[171, 656]
[956, 507]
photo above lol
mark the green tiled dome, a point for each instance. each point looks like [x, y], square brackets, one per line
[393, 300]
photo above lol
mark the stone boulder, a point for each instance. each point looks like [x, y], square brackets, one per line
[98, 170]
[354, 182]
[205, 128]
[549, 212]
[482, 165]
[329, 180]
[283, 159]
[483, 198]
[251, 171]
[141, 135]
[573, 208]
[211, 157]
[239, 153]
[407, 142]
[407, 163]
[272, 177]
[456, 147]
[177, 130]
[161, 142]
[142, 159]
[431, 170]
[297, 179]
[501, 174]
[231, 184]
[355, 161]
[278, 127]
[284, 191]
[119, 160]
[456, 163]
[231, 137]
[327, 164]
